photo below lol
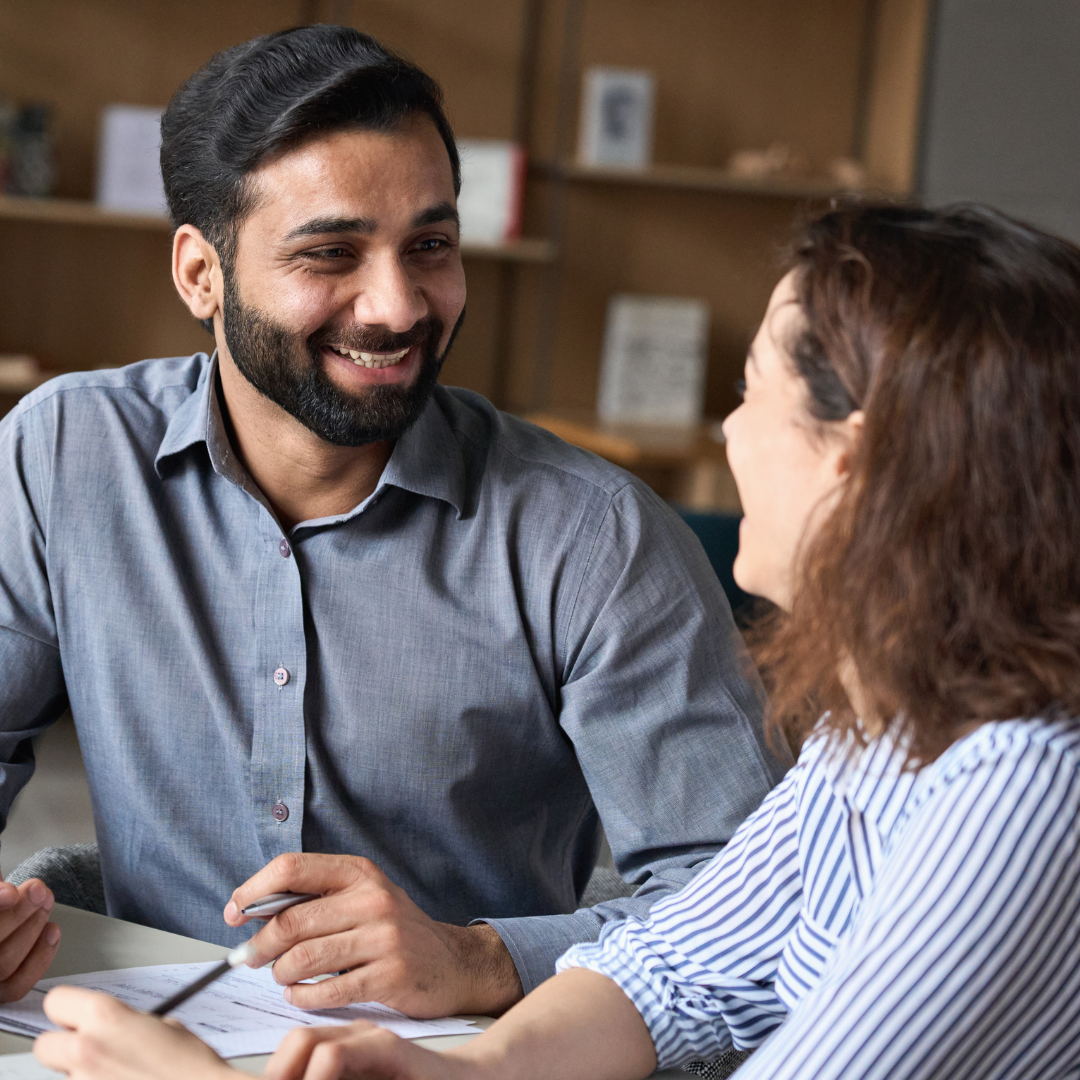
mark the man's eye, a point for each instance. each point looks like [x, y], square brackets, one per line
[332, 253]
[432, 243]
[740, 388]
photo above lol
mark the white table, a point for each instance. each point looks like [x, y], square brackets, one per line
[97, 943]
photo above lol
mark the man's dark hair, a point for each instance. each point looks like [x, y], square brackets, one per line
[269, 95]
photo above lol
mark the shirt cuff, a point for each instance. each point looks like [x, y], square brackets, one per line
[537, 941]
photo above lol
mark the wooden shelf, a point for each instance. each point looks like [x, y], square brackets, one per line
[526, 250]
[76, 212]
[697, 178]
[80, 212]
[695, 461]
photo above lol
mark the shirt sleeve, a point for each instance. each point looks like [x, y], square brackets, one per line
[702, 969]
[32, 692]
[664, 711]
[965, 962]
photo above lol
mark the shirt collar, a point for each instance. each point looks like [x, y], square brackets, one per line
[190, 423]
[426, 460]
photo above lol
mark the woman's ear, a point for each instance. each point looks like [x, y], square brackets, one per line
[196, 272]
[848, 432]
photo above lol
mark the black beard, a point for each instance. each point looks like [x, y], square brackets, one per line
[288, 370]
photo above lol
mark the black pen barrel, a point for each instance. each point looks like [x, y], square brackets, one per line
[181, 996]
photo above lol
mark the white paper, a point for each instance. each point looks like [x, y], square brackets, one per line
[129, 171]
[25, 1067]
[492, 185]
[653, 368]
[617, 118]
[241, 1014]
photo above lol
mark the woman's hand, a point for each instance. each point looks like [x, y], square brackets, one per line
[360, 1050]
[109, 1041]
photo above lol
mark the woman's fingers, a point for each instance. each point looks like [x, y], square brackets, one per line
[109, 1041]
[358, 1050]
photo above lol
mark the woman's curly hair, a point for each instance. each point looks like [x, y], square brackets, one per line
[947, 578]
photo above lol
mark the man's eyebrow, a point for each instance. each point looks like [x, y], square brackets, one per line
[433, 215]
[322, 226]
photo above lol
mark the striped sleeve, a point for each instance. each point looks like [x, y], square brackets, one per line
[703, 967]
[965, 962]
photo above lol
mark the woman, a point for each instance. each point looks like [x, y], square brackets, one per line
[906, 902]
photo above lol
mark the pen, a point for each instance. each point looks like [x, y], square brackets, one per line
[240, 955]
[267, 906]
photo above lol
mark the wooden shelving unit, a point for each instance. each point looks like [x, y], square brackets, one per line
[697, 178]
[830, 78]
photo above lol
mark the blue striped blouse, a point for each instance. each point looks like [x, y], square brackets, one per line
[879, 922]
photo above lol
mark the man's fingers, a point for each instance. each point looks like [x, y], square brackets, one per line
[31, 896]
[17, 945]
[298, 872]
[33, 964]
[313, 929]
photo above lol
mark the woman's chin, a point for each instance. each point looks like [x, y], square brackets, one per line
[755, 581]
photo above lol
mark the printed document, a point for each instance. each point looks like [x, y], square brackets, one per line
[241, 1014]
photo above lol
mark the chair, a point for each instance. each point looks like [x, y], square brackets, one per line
[73, 873]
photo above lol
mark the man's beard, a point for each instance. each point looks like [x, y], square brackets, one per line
[287, 369]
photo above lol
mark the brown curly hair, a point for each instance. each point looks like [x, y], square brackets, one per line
[947, 578]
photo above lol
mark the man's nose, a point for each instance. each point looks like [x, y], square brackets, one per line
[388, 296]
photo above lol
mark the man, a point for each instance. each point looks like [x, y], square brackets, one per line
[301, 599]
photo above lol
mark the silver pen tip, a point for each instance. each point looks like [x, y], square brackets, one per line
[241, 954]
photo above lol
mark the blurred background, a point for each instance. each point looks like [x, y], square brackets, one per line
[632, 172]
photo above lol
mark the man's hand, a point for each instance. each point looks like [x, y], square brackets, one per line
[109, 1041]
[28, 940]
[367, 927]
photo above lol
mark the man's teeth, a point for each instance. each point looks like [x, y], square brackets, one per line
[371, 359]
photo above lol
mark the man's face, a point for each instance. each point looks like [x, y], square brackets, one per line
[347, 286]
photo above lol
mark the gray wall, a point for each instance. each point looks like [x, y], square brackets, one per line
[1002, 112]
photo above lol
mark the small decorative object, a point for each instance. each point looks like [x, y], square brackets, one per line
[848, 173]
[18, 374]
[129, 171]
[653, 368]
[492, 190]
[777, 161]
[32, 170]
[617, 118]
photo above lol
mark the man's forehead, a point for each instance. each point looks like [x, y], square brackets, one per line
[356, 175]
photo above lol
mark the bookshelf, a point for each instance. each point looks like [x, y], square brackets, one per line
[834, 78]
[697, 178]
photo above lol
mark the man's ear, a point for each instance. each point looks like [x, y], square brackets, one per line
[196, 272]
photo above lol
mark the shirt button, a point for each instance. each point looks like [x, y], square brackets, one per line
[281, 676]
[284, 548]
[280, 811]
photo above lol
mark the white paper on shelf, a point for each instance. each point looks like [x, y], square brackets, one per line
[129, 172]
[653, 367]
[616, 126]
[492, 189]
[241, 1014]
[25, 1067]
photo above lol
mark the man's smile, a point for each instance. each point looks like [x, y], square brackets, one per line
[371, 359]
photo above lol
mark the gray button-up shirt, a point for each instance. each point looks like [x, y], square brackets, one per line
[508, 642]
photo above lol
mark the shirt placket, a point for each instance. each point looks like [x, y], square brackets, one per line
[278, 748]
